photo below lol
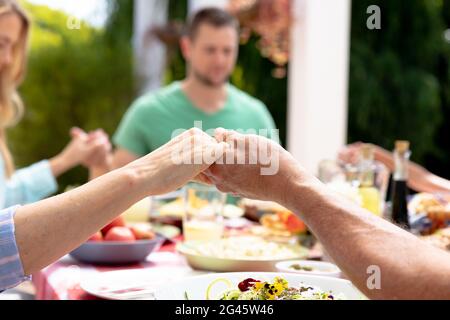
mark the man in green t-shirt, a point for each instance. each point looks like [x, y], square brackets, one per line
[204, 99]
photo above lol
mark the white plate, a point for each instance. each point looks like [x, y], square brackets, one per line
[137, 284]
[195, 287]
[220, 264]
[320, 268]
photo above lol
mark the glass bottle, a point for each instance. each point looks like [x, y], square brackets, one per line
[399, 211]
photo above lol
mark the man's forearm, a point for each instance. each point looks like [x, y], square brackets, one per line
[62, 223]
[356, 240]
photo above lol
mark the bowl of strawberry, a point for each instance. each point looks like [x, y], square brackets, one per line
[119, 243]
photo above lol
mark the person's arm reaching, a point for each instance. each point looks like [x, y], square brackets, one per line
[358, 241]
[47, 230]
[38, 181]
[420, 179]
[129, 141]
[353, 237]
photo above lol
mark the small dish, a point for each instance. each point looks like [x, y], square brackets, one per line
[317, 268]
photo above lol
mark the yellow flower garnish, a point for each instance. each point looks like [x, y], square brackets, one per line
[259, 285]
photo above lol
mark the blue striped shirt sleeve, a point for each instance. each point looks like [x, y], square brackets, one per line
[11, 269]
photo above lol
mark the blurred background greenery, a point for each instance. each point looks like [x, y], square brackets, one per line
[399, 80]
[75, 78]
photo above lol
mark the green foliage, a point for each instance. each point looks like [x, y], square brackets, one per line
[119, 27]
[399, 78]
[75, 78]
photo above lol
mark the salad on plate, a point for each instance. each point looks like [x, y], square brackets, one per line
[278, 289]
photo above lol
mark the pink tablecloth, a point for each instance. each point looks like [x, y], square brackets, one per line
[61, 280]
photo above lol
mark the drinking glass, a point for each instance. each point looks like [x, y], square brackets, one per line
[203, 219]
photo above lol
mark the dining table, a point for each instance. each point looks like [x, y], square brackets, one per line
[62, 280]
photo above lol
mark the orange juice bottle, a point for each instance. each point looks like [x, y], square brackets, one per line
[370, 195]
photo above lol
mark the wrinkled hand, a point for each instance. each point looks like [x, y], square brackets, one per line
[96, 146]
[179, 161]
[254, 167]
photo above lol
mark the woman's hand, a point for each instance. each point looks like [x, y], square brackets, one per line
[255, 167]
[101, 158]
[179, 161]
[350, 153]
[85, 149]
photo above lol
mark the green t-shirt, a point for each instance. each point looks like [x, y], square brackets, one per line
[152, 119]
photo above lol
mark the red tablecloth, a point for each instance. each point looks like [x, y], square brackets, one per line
[61, 280]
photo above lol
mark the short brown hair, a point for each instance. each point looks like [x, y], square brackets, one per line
[213, 16]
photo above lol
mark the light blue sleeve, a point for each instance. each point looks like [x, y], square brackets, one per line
[29, 185]
[11, 269]
[2, 183]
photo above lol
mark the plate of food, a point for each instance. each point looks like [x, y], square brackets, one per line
[255, 209]
[244, 253]
[258, 286]
[318, 268]
[439, 239]
[429, 212]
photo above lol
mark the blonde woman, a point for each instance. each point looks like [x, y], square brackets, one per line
[39, 180]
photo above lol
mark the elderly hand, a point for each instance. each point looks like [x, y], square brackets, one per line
[350, 153]
[255, 167]
[177, 162]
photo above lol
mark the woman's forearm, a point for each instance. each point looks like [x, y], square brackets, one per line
[420, 179]
[358, 240]
[47, 230]
[62, 223]
[60, 164]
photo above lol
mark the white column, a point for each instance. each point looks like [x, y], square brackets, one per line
[195, 5]
[318, 80]
[150, 53]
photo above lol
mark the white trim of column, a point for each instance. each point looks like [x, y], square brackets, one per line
[318, 80]
[195, 5]
[150, 53]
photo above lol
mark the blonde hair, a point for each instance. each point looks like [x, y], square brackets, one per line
[11, 106]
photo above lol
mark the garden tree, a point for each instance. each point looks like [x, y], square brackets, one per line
[441, 160]
[399, 79]
[75, 78]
